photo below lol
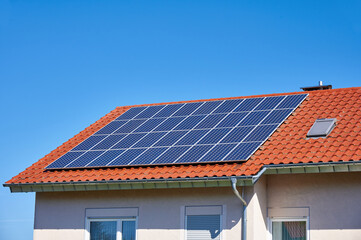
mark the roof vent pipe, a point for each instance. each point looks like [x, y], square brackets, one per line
[319, 87]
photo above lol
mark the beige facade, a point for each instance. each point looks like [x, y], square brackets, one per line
[330, 202]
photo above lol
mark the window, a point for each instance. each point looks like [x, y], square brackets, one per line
[111, 229]
[289, 229]
[322, 127]
[203, 223]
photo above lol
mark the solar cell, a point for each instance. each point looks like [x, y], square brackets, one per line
[105, 158]
[149, 125]
[149, 112]
[194, 153]
[89, 142]
[213, 131]
[171, 138]
[169, 124]
[109, 141]
[149, 156]
[187, 109]
[168, 110]
[111, 127]
[242, 151]
[248, 104]
[149, 139]
[127, 157]
[232, 120]
[218, 153]
[207, 107]
[130, 126]
[190, 122]
[254, 118]
[170, 155]
[84, 159]
[214, 136]
[131, 113]
[269, 103]
[192, 137]
[210, 121]
[129, 140]
[228, 106]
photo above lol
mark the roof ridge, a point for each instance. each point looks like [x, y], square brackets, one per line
[238, 97]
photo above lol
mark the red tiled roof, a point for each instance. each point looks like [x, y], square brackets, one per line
[287, 145]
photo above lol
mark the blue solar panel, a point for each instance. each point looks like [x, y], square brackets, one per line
[192, 137]
[171, 155]
[105, 158]
[171, 138]
[248, 104]
[228, 106]
[207, 107]
[129, 140]
[254, 118]
[242, 151]
[131, 113]
[149, 139]
[108, 142]
[149, 156]
[237, 135]
[269, 103]
[130, 126]
[89, 142]
[213, 131]
[111, 127]
[168, 110]
[169, 124]
[127, 157]
[187, 109]
[190, 122]
[218, 153]
[214, 136]
[232, 120]
[210, 121]
[194, 153]
[84, 159]
[149, 125]
[149, 112]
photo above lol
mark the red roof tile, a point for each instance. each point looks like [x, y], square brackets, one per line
[287, 145]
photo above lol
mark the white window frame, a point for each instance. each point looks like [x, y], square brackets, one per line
[290, 219]
[119, 225]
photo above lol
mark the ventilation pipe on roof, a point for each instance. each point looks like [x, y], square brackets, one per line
[319, 87]
[244, 207]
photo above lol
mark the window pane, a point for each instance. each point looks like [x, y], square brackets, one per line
[203, 227]
[128, 228]
[106, 230]
[289, 230]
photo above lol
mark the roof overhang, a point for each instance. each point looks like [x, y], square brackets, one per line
[187, 182]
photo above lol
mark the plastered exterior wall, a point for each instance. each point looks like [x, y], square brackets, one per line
[333, 200]
[160, 216]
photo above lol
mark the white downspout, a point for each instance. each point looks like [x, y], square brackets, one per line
[244, 207]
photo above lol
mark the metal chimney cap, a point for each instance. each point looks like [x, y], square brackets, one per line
[319, 87]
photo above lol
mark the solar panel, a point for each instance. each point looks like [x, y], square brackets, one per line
[197, 132]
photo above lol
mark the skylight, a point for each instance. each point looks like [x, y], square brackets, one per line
[322, 127]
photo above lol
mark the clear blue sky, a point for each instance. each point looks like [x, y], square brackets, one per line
[64, 64]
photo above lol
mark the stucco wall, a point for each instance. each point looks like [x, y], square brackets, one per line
[161, 212]
[333, 200]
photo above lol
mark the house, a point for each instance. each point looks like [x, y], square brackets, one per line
[303, 182]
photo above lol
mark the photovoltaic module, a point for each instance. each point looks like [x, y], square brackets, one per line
[197, 132]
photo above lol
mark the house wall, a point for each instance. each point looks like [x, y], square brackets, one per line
[332, 201]
[161, 212]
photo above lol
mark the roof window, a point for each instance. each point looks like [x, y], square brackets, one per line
[322, 127]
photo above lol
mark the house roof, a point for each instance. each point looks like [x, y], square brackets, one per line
[288, 145]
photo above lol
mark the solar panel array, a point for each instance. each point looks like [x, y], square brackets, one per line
[197, 132]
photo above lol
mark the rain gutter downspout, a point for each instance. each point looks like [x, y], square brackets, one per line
[244, 207]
